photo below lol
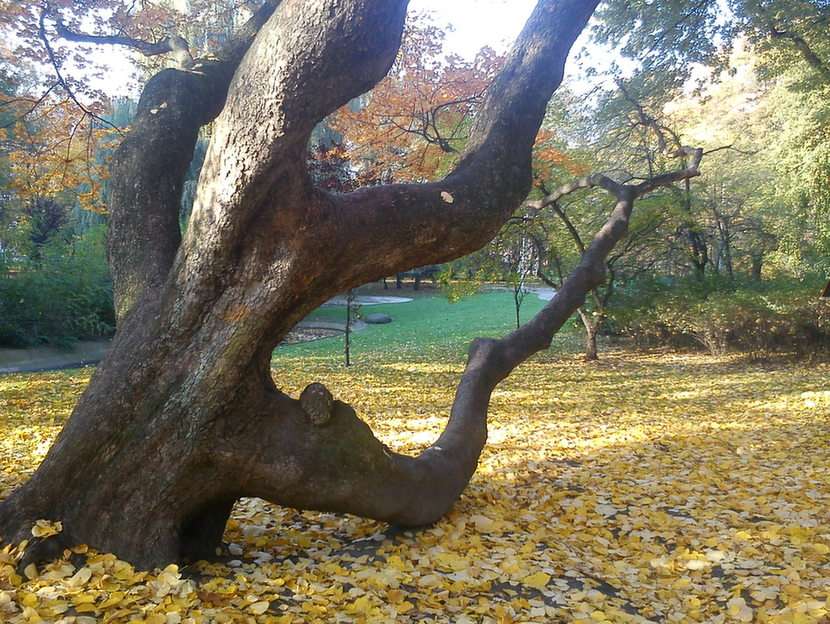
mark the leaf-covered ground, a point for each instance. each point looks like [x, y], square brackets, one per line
[661, 487]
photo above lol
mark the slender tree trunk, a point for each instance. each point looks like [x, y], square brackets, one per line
[757, 266]
[517, 304]
[347, 342]
[591, 330]
[698, 249]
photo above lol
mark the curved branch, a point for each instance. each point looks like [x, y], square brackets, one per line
[308, 60]
[338, 464]
[807, 53]
[147, 48]
[401, 226]
[316, 453]
[50, 53]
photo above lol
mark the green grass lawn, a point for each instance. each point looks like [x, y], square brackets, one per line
[427, 327]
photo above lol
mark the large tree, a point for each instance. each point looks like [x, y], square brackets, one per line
[183, 416]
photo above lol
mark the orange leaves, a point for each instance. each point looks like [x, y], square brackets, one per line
[550, 157]
[414, 123]
[57, 151]
[54, 117]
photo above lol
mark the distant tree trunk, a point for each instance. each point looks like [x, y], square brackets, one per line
[591, 330]
[347, 342]
[725, 247]
[757, 266]
[398, 281]
[698, 250]
[517, 304]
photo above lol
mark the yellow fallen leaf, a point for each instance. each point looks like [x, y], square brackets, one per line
[482, 523]
[537, 581]
[259, 607]
[45, 528]
[738, 609]
[80, 578]
[451, 561]
[697, 564]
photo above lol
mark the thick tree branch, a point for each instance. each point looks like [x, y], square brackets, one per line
[308, 60]
[397, 227]
[149, 166]
[359, 474]
[339, 465]
[807, 52]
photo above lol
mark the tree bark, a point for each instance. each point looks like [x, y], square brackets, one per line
[149, 167]
[183, 417]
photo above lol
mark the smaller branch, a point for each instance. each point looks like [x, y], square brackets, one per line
[172, 44]
[667, 179]
[732, 147]
[807, 53]
[62, 81]
[68, 158]
[35, 104]
[569, 226]
[591, 181]
[649, 121]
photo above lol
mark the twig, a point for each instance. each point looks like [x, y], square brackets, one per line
[62, 81]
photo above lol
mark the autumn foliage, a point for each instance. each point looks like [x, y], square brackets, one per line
[414, 123]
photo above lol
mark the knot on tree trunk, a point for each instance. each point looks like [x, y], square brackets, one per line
[318, 403]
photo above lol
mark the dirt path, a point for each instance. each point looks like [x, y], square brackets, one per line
[90, 352]
[36, 359]
[366, 300]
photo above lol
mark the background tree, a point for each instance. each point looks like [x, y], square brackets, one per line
[667, 39]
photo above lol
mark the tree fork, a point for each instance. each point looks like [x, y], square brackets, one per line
[183, 417]
[149, 165]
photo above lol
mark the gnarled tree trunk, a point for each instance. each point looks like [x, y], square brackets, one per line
[183, 416]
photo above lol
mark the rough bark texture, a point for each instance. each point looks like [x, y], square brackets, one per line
[183, 417]
[149, 166]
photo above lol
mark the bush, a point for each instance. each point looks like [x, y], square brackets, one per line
[774, 318]
[62, 296]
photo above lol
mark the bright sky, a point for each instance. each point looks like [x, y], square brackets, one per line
[475, 23]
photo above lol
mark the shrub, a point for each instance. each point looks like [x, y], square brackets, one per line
[774, 318]
[62, 296]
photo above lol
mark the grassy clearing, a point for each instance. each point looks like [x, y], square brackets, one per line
[646, 487]
[425, 327]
